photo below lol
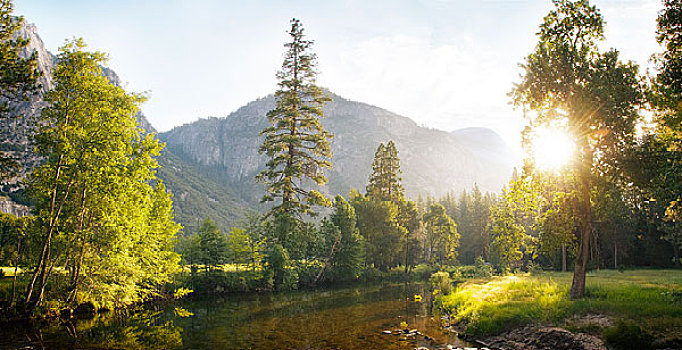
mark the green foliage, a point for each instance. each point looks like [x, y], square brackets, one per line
[384, 182]
[296, 144]
[441, 283]
[412, 240]
[627, 335]
[471, 212]
[99, 215]
[508, 238]
[667, 87]
[390, 225]
[442, 238]
[277, 261]
[422, 272]
[379, 226]
[212, 245]
[346, 262]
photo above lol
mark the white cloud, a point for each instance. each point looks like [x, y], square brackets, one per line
[445, 86]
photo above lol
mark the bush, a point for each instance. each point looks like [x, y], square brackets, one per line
[483, 269]
[440, 281]
[422, 272]
[533, 269]
[307, 272]
[627, 335]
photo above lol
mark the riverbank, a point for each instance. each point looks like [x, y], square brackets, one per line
[641, 307]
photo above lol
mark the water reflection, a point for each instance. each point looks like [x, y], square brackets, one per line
[340, 318]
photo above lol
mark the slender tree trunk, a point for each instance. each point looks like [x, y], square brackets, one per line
[563, 257]
[78, 263]
[14, 278]
[615, 256]
[578, 285]
[407, 253]
[41, 272]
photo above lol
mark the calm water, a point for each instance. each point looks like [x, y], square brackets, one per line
[340, 318]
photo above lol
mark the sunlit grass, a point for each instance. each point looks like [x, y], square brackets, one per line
[9, 271]
[651, 298]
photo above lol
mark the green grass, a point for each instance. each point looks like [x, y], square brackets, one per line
[649, 298]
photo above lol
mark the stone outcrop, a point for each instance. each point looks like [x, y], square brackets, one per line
[9, 207]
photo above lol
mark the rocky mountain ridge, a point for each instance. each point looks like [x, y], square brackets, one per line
[433, 162]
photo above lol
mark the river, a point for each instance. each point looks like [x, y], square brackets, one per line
[336, 318]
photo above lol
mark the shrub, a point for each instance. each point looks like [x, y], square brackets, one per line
[422, 272]
[440, 281]
[483, 269]
[627, 335]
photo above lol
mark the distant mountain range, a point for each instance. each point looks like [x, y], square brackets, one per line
[209, 165]
[433, 162]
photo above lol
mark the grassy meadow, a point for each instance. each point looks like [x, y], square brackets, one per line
[649, 301]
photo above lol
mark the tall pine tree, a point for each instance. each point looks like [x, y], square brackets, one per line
[296, 143]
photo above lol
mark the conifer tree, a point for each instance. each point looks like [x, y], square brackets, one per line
[213, 245]
[384, 182]
[295, 142]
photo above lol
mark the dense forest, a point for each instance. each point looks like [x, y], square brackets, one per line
[102, 231]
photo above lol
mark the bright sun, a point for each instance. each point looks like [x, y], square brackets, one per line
[553, 148]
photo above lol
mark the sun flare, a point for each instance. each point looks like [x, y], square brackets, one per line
[552, 148]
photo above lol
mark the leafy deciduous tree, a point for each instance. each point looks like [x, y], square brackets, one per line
[99, 216]
[442, 238]
[567, 78]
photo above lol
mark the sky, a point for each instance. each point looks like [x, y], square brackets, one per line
[446, 64]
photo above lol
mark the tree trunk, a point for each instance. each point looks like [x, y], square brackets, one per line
[615, 256]
[14, 280]
[578, 285]
[407, 254]
[563, 257]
